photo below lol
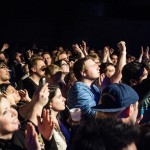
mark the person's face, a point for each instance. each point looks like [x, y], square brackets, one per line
[39, 68]
[145, 75]
[2, 56]
[64, 66]
[63, 57]
[131, 146]
[114, 59]
[11, 90]
[58, 101]
[110, 71]
[134, 113]
[18, 57]
[97, 61]
[47, 59]
[4, 73]
[92, 70]
[8, 118]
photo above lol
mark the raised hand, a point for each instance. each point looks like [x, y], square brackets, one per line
[41, 95]
[122, 46]
[45, 125]
[76, 48]
[5, 46]
[31, 138]
[24, 95]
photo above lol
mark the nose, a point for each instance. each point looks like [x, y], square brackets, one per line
[64, 99]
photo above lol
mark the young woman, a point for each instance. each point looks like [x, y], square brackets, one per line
[11, 137]
[56, 104]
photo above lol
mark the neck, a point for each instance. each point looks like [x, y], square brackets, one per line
[35, 78]
[7, 136]
[87, 82]
[54, 116]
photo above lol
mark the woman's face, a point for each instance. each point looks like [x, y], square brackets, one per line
[110, 71]
[58, 101]
[64, 66]
[14, 92]
[8, 118]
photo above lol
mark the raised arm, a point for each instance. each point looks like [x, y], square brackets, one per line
[78, 50]
[121, 62]
[141, 55]
[41, 97]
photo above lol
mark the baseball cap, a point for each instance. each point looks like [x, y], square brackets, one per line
[116, 97]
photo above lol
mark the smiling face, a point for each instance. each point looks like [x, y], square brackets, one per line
[58, 101]
[8, 118]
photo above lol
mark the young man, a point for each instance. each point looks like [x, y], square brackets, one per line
[4, 72]
[37, 72]
[118, 101]
[84, 94]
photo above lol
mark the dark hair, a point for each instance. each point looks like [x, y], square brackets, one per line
[3, 87]
[104, 66]
[52, 93]
[33, 62]
[105, 134]
[132, 70]
[79, 66]
[144, 138]
[2, 63]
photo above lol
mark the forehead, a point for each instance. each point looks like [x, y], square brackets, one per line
[114, 56]
[40, 62]
[89, 62]
[110, 67]
[4, 103]
[63, 55]
[2, 64]
[10, 87]
[46, 55]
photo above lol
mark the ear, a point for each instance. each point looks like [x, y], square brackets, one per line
[133, 82]
[83, 73]
[131, 109]
[33, 69]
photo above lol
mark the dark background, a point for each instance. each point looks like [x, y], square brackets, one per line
[51, 23]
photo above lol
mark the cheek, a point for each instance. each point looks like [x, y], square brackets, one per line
[59, 106]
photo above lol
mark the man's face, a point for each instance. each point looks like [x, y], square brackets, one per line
[133, 116]
[4, 73]
[39, 68]
[114, 59]
[63, 57]
[92, 70]
[47, 59]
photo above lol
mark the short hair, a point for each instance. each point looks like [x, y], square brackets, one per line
[94, 56]
[51, 70]
[132, 70]
[46, 53]
[105, 134]
[3, 87]
[144, 138]
[79, 66]
[103, 67]
[2, 63]
[33, 62]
